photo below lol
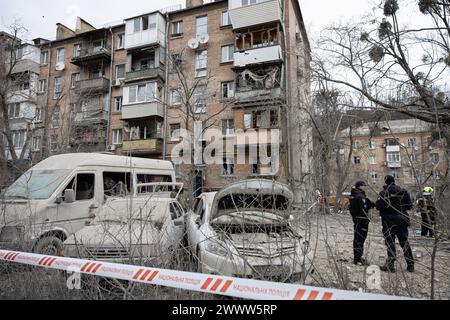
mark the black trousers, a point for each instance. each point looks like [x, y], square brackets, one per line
[394, 226]
[361, 229]
[428, 222]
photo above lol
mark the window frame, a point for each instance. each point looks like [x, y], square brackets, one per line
[230, 51]
[228, 167]
[116, 101]
[57, 88]
[44, 57]
[60, 55]
[175, 138]
[199, 27]
[175, 25]
[201, 63]
[117, 69]
[222, 18]
[121, 41]
[228, 90]
[16, 110]
[117, 137]
[227, 130]
[172, 97]
[42, 88]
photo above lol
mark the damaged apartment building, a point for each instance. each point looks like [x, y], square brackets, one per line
[126, 89]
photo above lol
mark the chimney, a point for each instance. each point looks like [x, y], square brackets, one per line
[63, 32]
[83, 26]
[193, 3]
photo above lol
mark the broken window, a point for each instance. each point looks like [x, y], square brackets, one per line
[84, 186]
[257, 39]
[228, 167]
[228, 89]
[116, 184]
[151, 178]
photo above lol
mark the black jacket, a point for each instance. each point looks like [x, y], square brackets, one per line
[394, 200]
[360, 205]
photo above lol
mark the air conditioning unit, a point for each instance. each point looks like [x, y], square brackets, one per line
[383, 146]
[111, 148]
[117, 82]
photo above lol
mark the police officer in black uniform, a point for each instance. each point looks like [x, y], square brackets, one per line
[393, 204]
[359, 209]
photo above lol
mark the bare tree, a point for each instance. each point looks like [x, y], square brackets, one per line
[194, 94]
[16, 83]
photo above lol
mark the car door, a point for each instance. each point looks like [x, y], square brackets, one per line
[194, 224]
[74, 216]
[177, 215]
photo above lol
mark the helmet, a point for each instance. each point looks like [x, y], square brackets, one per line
[428, 190]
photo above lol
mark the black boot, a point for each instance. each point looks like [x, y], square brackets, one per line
[389, 266]
[361, 262]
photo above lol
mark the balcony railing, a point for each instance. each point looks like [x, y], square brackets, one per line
[251, 96]
[93, 85]
[90, 117]
[148, 146]
[144, 74]
[91, 54]
[142, 110]
[258, 55]
[394, 165]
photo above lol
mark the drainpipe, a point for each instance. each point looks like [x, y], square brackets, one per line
[46, 114]
[166, 93]
[108, 125]
[288, 99]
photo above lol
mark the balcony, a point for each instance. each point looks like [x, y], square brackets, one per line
[393, 148]
[91, 55]
[90, 117]
[252, 97]
[145, 31]
[393, 165]
[142, 110]
[258, 55]
[265, 11]
[93, 86]
[150, 146]
[144, 74]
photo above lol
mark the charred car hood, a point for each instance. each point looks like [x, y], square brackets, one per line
[250, 196]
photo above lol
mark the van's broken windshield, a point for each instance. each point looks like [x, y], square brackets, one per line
[36, 184]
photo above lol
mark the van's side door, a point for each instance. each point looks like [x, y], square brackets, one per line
[73, 216]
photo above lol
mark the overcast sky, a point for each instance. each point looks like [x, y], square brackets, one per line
[40, 17]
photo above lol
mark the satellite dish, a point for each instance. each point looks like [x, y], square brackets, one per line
[193, 43]
[204, 39]
[60, 66]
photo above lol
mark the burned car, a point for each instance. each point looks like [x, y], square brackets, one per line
[245, 230]
[146, 229]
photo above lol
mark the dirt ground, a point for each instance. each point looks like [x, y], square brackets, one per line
[332, 237]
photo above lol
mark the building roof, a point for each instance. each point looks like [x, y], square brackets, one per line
[196, 7]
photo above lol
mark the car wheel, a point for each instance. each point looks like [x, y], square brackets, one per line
[51, 246]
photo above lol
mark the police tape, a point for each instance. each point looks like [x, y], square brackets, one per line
[212, 284]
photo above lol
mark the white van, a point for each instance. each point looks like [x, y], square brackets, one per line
[63, 194]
